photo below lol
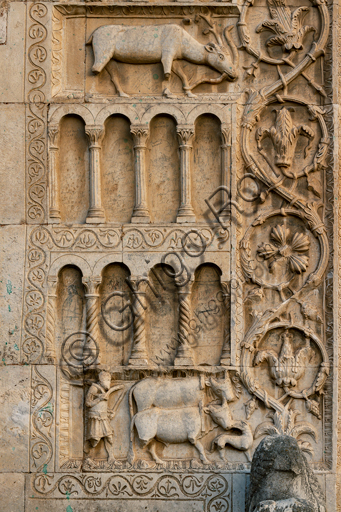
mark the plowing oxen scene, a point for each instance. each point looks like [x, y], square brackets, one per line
[175, 411]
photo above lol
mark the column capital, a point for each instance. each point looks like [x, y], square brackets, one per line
[91, 284]
[95, 134]
[139, 284]
[53, 134]
[140, 135]
[52, 282]
[184, 287]
[185, 134]
[225, 136]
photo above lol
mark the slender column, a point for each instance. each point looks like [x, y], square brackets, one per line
[92, 307]
[225, 358]
[50, 347]
[139, 356]
[184, 356]
[141, 212]
[225, 169]
[54, 208]
[185, 211]
[96, 211]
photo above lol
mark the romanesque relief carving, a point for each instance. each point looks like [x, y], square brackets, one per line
[207, 491]
[182, 286]
[99, 415]
[166, 44]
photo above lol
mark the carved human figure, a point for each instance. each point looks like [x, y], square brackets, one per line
[72, 306]
[99, 415]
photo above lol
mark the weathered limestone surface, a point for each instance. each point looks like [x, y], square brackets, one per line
[281, 478]
[169, 256]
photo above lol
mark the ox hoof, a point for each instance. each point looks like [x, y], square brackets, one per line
[220, 465]
[123, 95]
[168, 94]
[197, 464]
[143, 464]
[114, 463]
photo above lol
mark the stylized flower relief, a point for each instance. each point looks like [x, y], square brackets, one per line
[288, 367]
[284, 423]
[288, 26]
[283, 246]
[284, 136]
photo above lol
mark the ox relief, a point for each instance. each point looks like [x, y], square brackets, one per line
[153, 380]
[165, 412]
[166, 43]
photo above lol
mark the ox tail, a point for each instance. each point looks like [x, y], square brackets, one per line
[131, 454]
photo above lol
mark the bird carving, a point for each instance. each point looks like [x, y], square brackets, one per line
[288, 367]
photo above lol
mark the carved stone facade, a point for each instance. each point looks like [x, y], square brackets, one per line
[169, 251]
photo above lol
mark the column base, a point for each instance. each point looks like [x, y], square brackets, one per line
[95, 220]
[225, 361]
[54, 216]
[138, 362]
[140, 219]
[183, 219]
[183, 361]
[54, 220]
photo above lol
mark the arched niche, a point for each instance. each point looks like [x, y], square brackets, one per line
[117, 167]
[73, 170]
[162, 315]
[206, 168]
[70, 306]
[208, 322]
[163, 175]
[115, 294]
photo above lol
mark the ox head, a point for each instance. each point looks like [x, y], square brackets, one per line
[222, 388]
[220, 414]
[223, 57]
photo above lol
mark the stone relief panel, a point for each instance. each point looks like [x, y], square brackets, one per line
[178, 300]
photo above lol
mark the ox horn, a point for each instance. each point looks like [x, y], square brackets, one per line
[232, 46]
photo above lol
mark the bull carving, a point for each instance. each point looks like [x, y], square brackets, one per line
[173, 411]
[166, 44]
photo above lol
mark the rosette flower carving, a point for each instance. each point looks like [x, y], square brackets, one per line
[283, 246]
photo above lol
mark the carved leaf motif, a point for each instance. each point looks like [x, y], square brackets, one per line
[266, 250]
[300, 242]
[305, 446]
[265, 429]
[279, 235]
[250, 407]
[314, 408]
[314, 184]
[298, 264]
[304, 428]
[265, 355]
